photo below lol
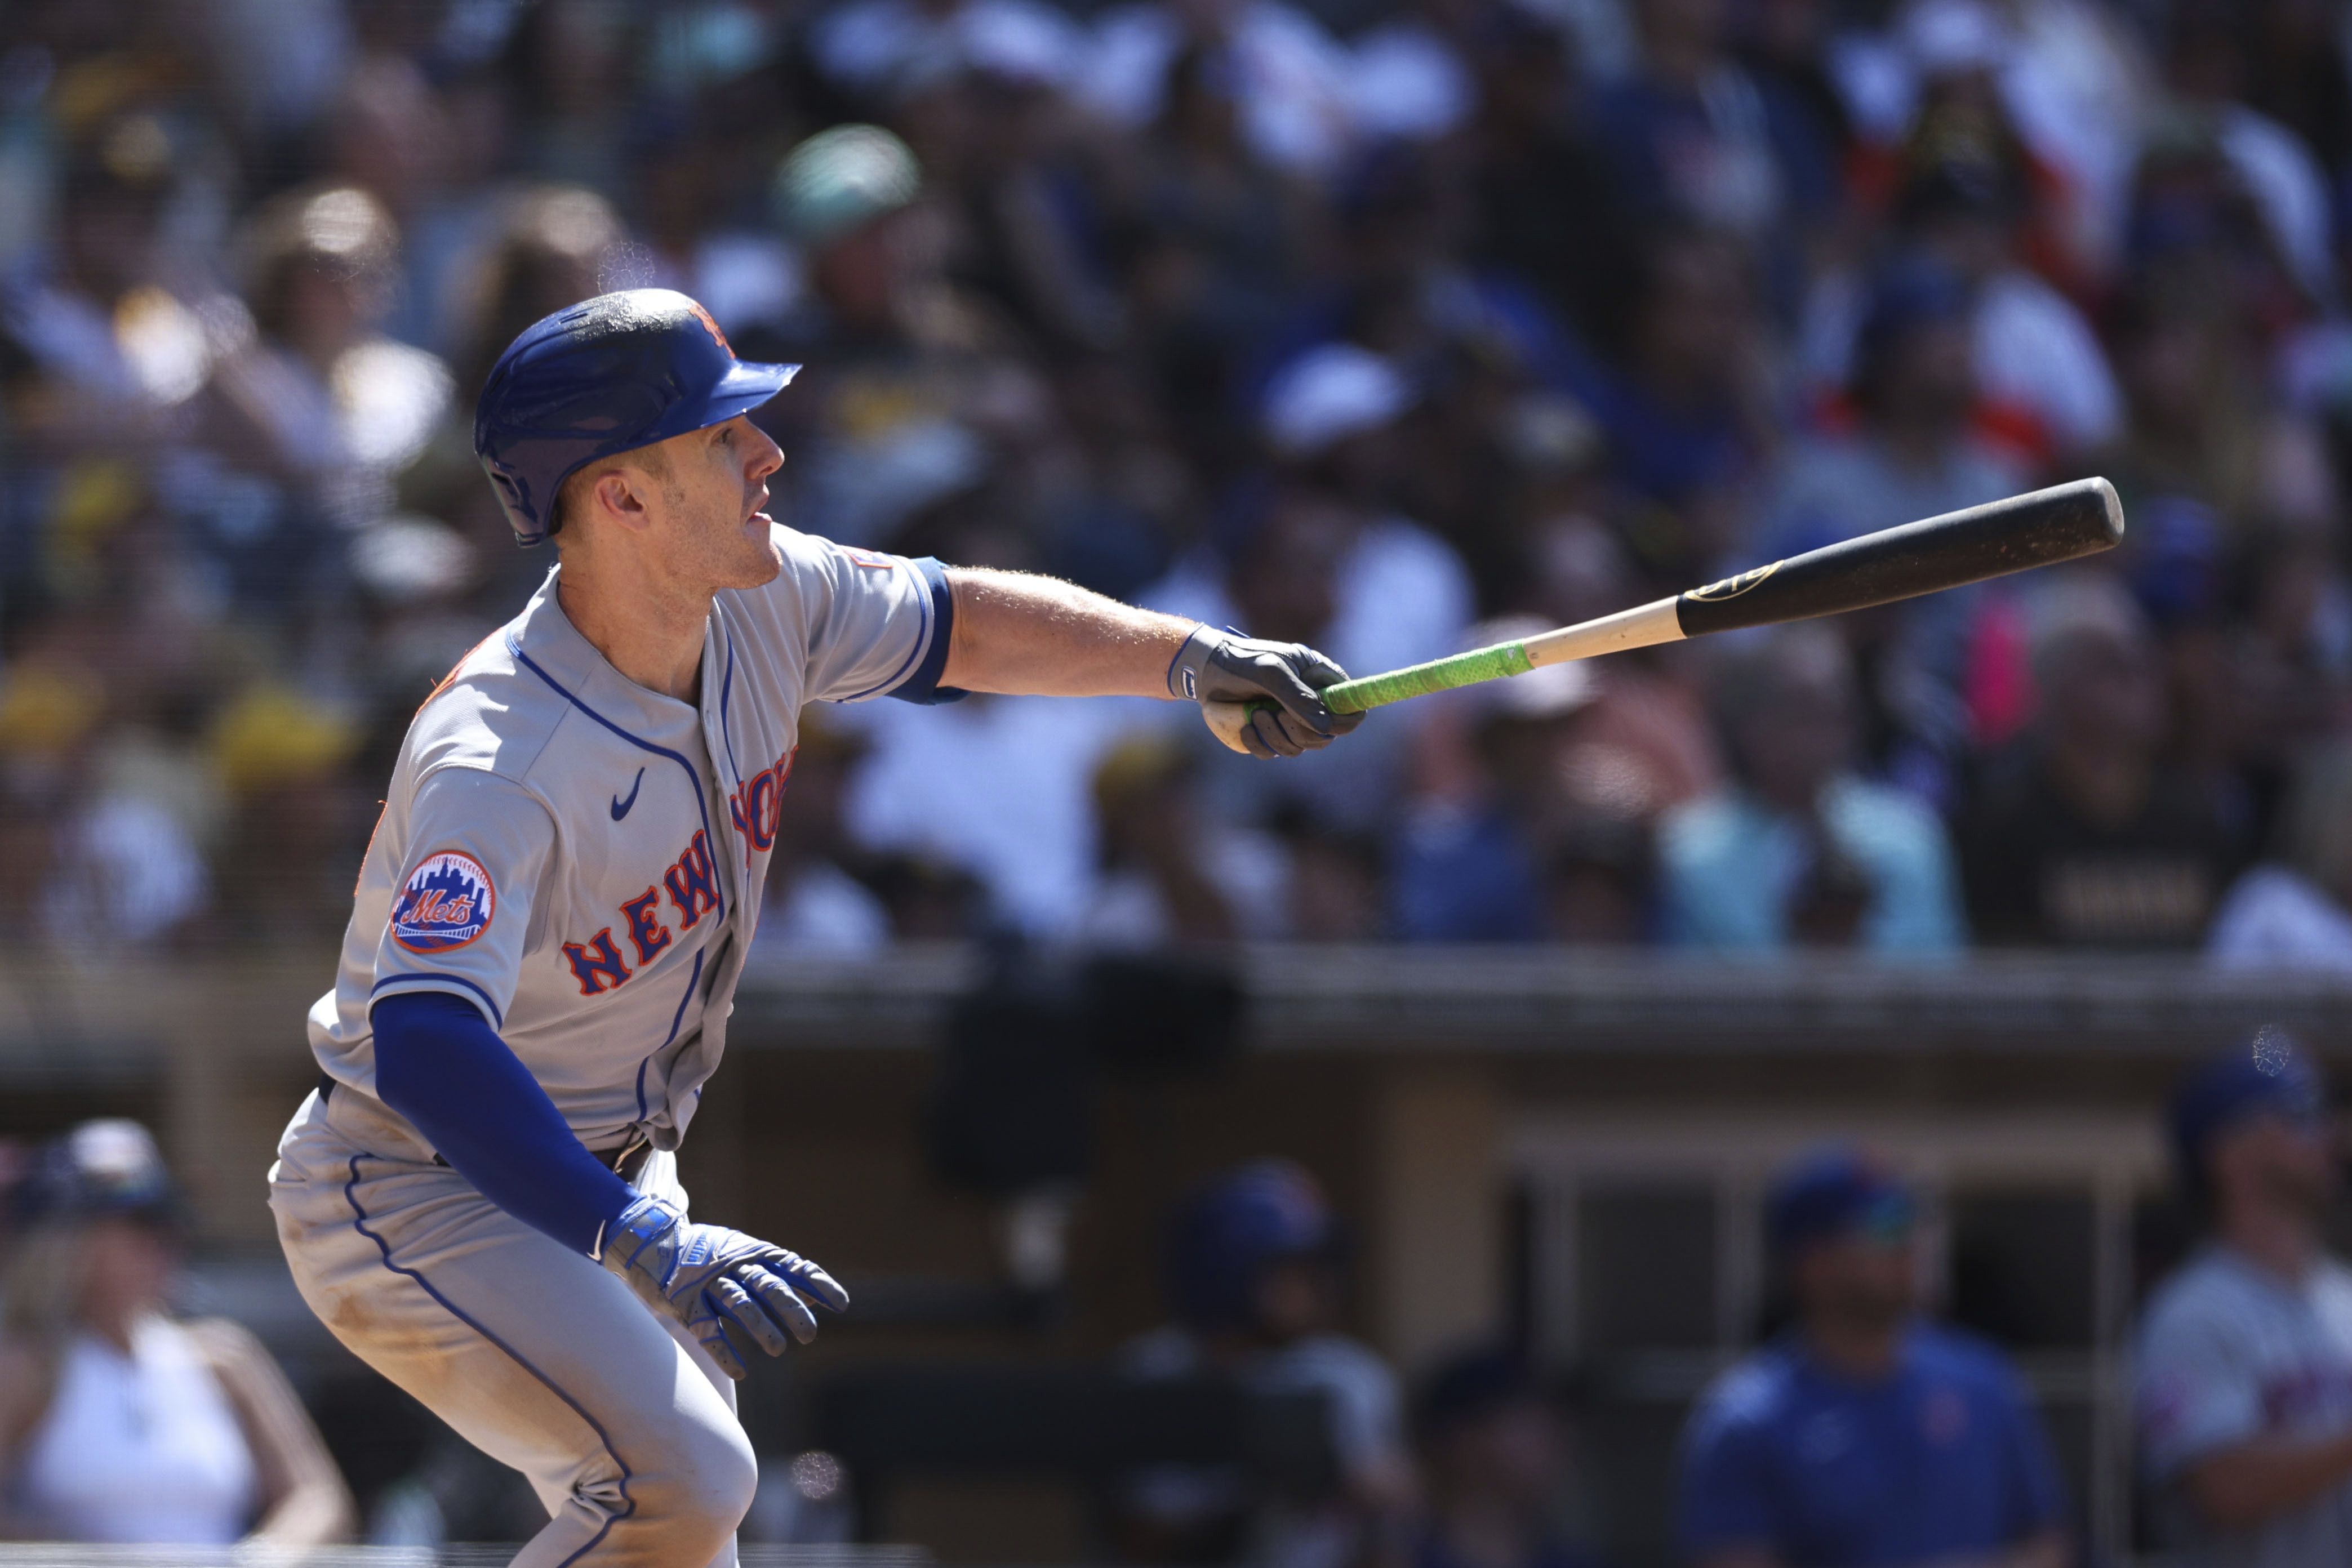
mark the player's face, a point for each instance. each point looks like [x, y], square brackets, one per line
[2290, 1161]
[715, 524]
[1296, 1297]
[1868, 1280]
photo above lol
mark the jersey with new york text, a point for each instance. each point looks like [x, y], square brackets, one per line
[581, 858]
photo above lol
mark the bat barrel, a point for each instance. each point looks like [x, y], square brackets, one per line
[2065, 522]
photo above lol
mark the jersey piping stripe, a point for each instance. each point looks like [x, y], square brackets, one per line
[939, 589]
[693, 777]
[359, 1222]
[727, 730]
[676, 1018]
[436, 981]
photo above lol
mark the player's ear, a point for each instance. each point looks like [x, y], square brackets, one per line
[620, 495]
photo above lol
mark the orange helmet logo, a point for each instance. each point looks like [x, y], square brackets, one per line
[704, 317]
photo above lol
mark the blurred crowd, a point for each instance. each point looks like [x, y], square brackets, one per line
[1393, 326]
[1860, 1431]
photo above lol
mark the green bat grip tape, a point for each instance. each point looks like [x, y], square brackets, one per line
[1420, 680]
[1437, 675]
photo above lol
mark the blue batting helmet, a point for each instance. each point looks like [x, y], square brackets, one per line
[605, 376]
[2267, 1074]
[1831, 1191]
[1228, 1231]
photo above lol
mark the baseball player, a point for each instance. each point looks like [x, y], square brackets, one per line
[480, 1199]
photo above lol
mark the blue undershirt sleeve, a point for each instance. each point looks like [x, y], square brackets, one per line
[440, 1064]
[923, 686]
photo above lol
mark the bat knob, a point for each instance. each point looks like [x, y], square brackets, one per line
[1227, 721]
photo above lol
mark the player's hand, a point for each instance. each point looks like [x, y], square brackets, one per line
[732, 1291]
[1275, 683]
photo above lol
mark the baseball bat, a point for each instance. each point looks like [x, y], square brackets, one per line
[2065, 522]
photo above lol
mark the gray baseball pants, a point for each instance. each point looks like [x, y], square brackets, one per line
[531, 1351]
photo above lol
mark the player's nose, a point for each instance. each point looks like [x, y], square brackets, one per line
[764, 455]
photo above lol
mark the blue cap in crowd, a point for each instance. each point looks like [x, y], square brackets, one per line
[1228, 1231]
[2268, 1074]
[1834, 1192]
[602, 377]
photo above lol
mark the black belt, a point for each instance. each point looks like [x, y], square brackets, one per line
[625, 1161]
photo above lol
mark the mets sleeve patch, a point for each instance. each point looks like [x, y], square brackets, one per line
[446, 902]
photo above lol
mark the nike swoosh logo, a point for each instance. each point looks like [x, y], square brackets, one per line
[620, 807]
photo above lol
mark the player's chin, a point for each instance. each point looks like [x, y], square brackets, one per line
[762, 557]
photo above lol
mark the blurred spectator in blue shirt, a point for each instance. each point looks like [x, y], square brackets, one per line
[1254, 1276]
[1496, 1456]
[1797, 850]
[2245, 1356]
[1535, 801]
[1868, 1437]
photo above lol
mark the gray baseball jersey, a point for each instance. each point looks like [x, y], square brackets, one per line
[2230, 1353]
[581, 859]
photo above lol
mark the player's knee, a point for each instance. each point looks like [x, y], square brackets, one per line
[700, 1487]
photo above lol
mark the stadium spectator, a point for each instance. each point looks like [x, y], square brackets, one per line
[2244, 1355]
[1868, 1435]
[1102, 295]
[997, 787]
[2206, 61]
[118, 1421]
[119, 326]
[1283, 74]
[322, 403]
[1495, 1450]
[1545, 207]
[1253, 1273]
[1311, 557]
[1967, 201]
[1797, 850]
[2294, 911]
[1170, 875]
[1916, 450]
[1691, 135]
[918, 369]
[2084, 836]
[1469, 862]
[816, 904]
[1534, 803]
[1684, 403]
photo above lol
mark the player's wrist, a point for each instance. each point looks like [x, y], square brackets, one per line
[1192, 662]
[633, 1239]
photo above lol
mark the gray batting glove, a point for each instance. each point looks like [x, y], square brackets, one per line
[732, 1291]
[1275, 683]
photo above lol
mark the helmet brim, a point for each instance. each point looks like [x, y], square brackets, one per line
[747, 384]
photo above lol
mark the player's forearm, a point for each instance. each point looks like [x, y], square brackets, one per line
[1019, 634]
[2246, 1485]
[439, 1063]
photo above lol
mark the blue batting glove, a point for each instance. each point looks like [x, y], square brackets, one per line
[732, 1291]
